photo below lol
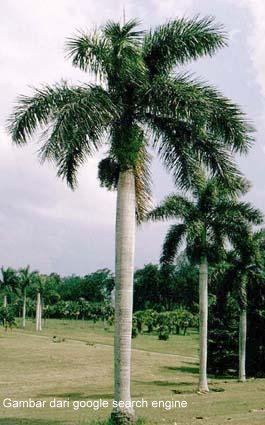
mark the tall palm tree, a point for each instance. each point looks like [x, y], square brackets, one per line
[8, 282]
[209, 219]
[245, 264]
[138, 100]
[26, 277]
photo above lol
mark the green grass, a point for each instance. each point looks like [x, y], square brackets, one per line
[80, 369]
[96, 334]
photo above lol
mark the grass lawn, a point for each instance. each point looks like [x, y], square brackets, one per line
[80, 369]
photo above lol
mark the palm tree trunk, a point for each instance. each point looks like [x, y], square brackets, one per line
[242, 344]
[24, 311]
[38, 313]
[5, 306]
[124, 265]
[203, 301]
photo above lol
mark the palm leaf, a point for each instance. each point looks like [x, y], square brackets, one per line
[180, 41]
[172, 242]
[203, 109]
[89, 52]
[143, 182]
[72, 120]
[174, 206]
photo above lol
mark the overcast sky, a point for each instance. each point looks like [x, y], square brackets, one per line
[42, 222]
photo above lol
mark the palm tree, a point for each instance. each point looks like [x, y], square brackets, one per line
[245, 264]
[137, 100]
[8, 282]
[40, 282]
[26, 277]
[211, 217]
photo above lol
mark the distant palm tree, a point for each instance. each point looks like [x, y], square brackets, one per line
[138, 101]
[40, 283]
[8, 282]
[245, 264]
[210, 218]
[26, 277]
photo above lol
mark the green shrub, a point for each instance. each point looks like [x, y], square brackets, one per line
[134, 328]
[163, 333]
[7, 317]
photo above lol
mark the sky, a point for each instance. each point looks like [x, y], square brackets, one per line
[42, 222]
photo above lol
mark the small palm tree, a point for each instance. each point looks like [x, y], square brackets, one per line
[209, 219]
[245, 265]
[40, 282]
[139, 101]
[8, 282]
[26, 277]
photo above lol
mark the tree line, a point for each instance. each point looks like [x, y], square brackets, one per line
[166, 302]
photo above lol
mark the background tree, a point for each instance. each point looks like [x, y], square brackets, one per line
[255, 355]
[208, 220]
[140, 102]
[166, 288]
[39, 286]
[147, 287]
[245, 265]
[25, 278]
[8, 283]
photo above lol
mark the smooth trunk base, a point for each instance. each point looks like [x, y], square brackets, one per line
[203, 389]
[122, 417]
[243, 379]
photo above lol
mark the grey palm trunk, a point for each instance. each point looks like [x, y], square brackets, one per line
[24, 310]
[242, 333]
[242, 344]
[5, 306]
[203, 302]
[38, 313]
[124, 266]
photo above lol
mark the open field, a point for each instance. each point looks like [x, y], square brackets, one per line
[80, 368]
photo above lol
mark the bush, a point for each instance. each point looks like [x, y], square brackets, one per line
[134, 328]
[81, 309]
[7, 317]
[165, 323]
[163, 333]
[140, 320]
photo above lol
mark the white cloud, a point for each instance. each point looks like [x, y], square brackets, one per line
[256, 37]
[56, 201]
[171, 9]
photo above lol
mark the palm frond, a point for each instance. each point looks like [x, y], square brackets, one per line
[174, 143]
[174, 206]
[89, 52]
[122, 34]
[143, 184]
[35, 111]
[127, 67]
[203, 108]
[72, 119]
[180, 41]
[235, 211]
[184, 151]
[9, 280]
[173, 240]
[44, 106]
